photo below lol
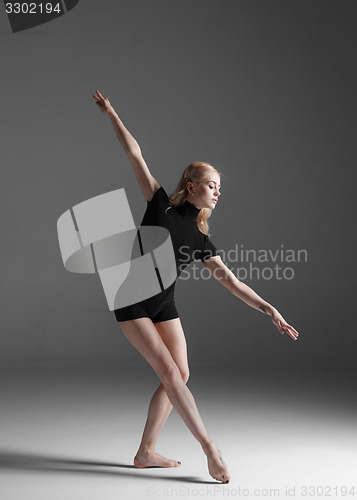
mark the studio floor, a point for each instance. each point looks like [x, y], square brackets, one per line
[72, 433]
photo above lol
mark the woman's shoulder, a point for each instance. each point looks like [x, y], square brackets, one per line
[159, 194]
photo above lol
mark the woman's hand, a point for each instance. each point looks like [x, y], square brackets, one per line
[282, 325]
[103, 103]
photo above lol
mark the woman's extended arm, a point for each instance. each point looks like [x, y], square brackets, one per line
[225, 276]
[147, 182]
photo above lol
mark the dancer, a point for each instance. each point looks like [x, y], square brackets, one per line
[153, 325]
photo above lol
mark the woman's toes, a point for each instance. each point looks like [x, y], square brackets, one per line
[216, 466]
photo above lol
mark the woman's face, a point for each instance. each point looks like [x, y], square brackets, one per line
[205, 195]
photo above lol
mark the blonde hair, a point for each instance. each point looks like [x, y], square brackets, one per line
[196, 172]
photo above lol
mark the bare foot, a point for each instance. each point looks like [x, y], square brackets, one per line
[216, 466]
[152, 459]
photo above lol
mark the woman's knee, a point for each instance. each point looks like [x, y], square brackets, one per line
[185, 374]
[170, 374]
[173, 373]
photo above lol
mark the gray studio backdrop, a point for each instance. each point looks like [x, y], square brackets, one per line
[263, 90]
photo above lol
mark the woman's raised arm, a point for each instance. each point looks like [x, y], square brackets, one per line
[147, 182]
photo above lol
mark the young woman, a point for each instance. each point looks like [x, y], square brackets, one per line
[153, 325]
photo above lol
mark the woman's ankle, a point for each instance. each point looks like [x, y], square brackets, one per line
[143, 448]
[208, 447]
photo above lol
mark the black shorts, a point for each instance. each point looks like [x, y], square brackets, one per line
[160, 307]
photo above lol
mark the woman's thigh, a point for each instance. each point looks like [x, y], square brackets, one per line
[145, 337]
[173, 336]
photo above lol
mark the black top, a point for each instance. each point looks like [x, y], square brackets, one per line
[188, 241]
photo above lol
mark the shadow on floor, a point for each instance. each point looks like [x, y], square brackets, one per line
[36, 462]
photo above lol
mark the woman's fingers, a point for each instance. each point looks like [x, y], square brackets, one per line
[285, 328]
[100, 98]
[291, 333]
[295, 332]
